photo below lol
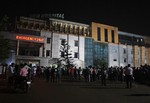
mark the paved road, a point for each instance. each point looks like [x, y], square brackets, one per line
[77, 92]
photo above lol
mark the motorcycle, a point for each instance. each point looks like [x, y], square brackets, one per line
[23, 84]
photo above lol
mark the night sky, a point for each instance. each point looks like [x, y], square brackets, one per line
[127, 16]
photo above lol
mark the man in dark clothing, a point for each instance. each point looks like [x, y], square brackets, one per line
[103, 76]
[53, 74]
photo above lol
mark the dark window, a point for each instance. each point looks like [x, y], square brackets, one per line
[125, 39]
[47, 52]
[48, 40]
[99, 34]
[63, 41]
[31, 51]
[125, 60]
[124, 51]
[77, 30]
[106, 35]
[62, 54]
[68, 29]
[115, 59]
[76, 43]
[28, 32]
[75, 55]
[64, 28]
[113, 36]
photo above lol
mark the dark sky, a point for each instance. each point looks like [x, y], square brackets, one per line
[129, 16]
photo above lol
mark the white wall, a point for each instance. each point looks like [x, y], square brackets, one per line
[55, 45]
[45, 34]
[146, 56]
[130, 54]
[44, 62]
[139, 56]
[73, 48]
[113, 55]
[82, 48]
[122, 55]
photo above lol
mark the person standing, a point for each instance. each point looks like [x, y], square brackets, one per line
[24, 73]
[52, 74]
[47, 74]
[58, 74]
[10, 74]
[103, 76]
[129, 76]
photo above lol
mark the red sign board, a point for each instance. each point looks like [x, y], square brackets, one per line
[29, 38]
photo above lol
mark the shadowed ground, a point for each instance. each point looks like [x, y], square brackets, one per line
[76, 92]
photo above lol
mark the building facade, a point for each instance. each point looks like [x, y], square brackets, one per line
[39, 42]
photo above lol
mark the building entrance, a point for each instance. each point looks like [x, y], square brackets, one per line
[32, 62]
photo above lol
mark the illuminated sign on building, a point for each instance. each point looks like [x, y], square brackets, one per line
[44, 16]
[29, 38]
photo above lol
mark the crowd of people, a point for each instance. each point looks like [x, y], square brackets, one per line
[55, 73]
[17, 76]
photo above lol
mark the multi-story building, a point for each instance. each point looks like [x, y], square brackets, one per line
[104, 38]
[39, 42]
[132, 49]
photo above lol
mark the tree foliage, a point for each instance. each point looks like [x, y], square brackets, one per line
[100, 63]
[4, 43]
[4, 48]
[65, 58]
[4, 23]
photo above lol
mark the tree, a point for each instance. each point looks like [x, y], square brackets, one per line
[100, 63]
[66, 58]
[4, 23]
[4, 48]
[4, 43]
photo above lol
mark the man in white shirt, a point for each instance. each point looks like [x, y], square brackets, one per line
[129, 76]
